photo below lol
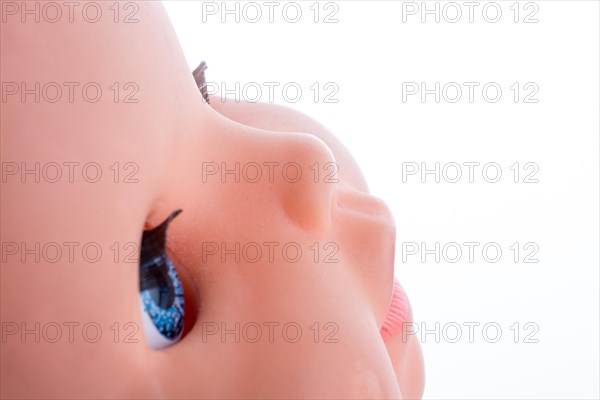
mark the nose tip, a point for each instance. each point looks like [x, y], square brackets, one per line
[311, 176]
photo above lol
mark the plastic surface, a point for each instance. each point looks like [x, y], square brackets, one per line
[319, 315]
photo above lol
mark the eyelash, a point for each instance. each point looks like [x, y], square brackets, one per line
[162, 302]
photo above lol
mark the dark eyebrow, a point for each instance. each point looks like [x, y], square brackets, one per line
[201, 80]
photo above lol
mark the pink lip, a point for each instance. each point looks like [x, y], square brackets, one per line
[398, 313]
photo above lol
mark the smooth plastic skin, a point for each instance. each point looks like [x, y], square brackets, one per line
[171, 134]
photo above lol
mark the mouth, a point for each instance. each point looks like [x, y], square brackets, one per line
[398, 313]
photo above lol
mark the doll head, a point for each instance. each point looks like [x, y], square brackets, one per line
[279, 266]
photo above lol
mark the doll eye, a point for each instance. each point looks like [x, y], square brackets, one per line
[161, 292]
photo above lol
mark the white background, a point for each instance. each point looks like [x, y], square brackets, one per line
[367, 55]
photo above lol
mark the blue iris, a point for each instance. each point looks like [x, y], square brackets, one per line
[161, 291]
[168, 320]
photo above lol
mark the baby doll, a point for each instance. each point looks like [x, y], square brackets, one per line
[263, 268]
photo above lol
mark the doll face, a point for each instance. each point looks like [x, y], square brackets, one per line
[286, 261]
[289, 267]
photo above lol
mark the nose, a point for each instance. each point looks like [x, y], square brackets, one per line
[309, 178]
[307, 170]
[249, 174]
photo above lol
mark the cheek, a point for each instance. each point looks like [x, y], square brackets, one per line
[407, 358]
[348, 362]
